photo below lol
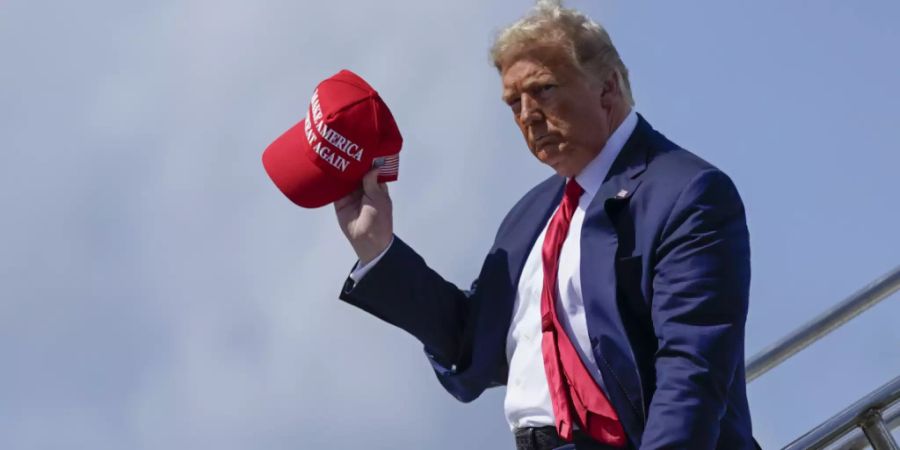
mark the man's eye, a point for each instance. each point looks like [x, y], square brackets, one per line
[543, 91]
[516, 106]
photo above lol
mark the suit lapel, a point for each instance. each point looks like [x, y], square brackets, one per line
[624, 175]
[530, 221]
[599, 249]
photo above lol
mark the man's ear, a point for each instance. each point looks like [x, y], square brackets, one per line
[611, 91]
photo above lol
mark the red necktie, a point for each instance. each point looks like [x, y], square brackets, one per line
[573, 391]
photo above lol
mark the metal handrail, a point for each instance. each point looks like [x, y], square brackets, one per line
[825, 323]
[856, 439]
[867, 421]
[866, 413]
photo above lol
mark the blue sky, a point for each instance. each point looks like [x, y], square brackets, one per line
[156, 291]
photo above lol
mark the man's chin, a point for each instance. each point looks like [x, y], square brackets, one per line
[563, 170]
[561, 165]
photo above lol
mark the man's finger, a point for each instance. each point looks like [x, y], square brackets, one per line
[370, 183]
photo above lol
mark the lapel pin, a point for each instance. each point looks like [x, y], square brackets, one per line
[622, 194]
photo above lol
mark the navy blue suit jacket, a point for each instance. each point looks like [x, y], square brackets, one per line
[665, 273]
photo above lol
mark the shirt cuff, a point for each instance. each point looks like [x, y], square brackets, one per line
[359, 272]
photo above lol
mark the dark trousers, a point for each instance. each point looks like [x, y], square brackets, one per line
[546, 438]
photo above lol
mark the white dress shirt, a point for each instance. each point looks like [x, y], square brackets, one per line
[527, 402]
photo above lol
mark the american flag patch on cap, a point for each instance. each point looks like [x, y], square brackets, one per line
[390, 166]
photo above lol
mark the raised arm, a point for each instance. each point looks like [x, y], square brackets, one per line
[400, 288]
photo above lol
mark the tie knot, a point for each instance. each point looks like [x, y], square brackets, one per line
[573, 190]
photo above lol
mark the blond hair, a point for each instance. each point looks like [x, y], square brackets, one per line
[550, 26]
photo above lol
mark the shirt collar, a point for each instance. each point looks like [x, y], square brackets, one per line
[592, 176]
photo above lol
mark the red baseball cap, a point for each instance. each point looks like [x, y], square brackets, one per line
[348, 130]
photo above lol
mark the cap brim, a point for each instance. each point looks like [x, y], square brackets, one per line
[287, 162]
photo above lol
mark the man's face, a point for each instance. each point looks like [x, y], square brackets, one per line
[560, 111]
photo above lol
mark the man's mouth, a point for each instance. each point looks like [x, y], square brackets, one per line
[544, 141]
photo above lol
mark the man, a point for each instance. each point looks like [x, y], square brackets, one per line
[612, 303]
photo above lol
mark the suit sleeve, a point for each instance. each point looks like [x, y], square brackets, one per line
[700, 299]
[403, 291]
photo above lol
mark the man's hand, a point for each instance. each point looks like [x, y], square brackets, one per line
[366, 217]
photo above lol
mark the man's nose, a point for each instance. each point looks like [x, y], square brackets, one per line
[531, 111]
